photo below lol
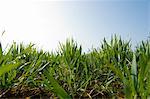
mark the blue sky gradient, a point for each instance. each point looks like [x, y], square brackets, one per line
[96, 20]
[46, 22]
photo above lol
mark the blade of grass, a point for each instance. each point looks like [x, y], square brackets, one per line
[62, 94]
[8, 67]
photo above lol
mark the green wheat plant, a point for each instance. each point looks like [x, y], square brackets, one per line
[114, 70]
[135, 76]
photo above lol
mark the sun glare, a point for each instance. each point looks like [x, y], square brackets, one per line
[36, 22]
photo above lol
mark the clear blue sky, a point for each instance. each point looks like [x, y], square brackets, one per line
[87, 21]
[99, 19]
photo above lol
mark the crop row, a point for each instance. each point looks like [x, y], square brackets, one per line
[112, 70]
